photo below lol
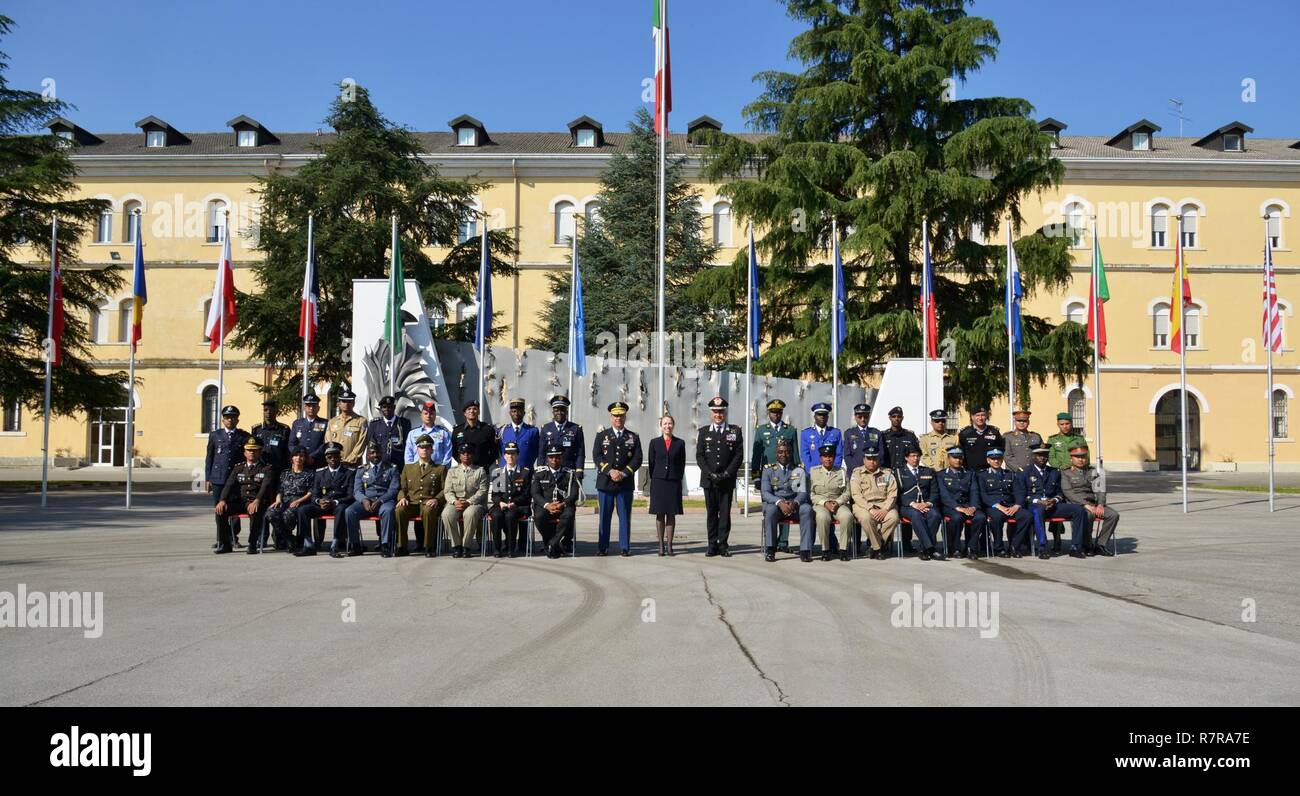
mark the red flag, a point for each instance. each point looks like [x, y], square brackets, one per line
[56, 297]
[223, 296]
[1179, 299]
[1272, 311]
[1098, 295]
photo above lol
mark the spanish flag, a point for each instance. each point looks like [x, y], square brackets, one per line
[139, 292]
[1180, 295]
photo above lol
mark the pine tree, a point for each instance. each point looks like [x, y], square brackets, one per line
[37, 179]
[370, 170]
[866, 135]
[618, 253]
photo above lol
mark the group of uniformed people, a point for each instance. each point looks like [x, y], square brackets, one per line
[883, 479]
[288, 480]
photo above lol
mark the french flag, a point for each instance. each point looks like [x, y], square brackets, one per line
[221, 312]
[307, 320]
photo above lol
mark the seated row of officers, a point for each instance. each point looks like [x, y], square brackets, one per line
[876, 478]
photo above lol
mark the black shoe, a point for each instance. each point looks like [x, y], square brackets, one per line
[456, 552]
[335, 554]
[1001, 554]
[1043, 554]
[501, 553]
[826, 555]
[624, 553]
[805, 556]
[785, 548]
[713, 551]
[769, 553]
[430, 552]
[223, 548]
[845, 555]
[1103, 550]
[402, 552]
[600, 552]
[1016, 553]
[1091, 550]
[355, 553]
[384, 552]
[306, 551]
[252, 550]
[1077, 553]
[935, 555]
[419, 548]
[924, 555]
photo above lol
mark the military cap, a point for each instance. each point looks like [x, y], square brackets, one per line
[374, 446]
[333, 447]
[347, 395]
[897, 410]
[428, 406]
[468, 404]
[782, 443]
[957, 452]
[1079, 450]
[311, 399]
[230, 411]
[938, 414]
[295, 450]
[464, 447]
[827, 450]
[511, 447]
[1043, 449]
[909, 449]
[424, 441]
[554, 450]
[559, 400]
[994, 453]
[871, 453]
[388, 400]
[252, 444]
[861, 409]
[776, 405]
[271, 402]
[1021, 413]
[978, 408]
[1065, 416]
[618, 408]
[821, 408]
[517, 403]
[717, 402]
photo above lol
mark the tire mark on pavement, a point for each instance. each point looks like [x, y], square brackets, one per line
[781, 697]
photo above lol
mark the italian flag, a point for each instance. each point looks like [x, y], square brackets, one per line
[663, 68]
[1098, 295]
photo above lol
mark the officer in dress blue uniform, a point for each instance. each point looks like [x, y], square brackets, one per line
[616, 453]
[437, 433]
[719, 452]
[820, 433]
[225, 450]
[374, 489]
[389, 432]
[331, 494]
[525, 436]
[784, 485]
[273, 435]
[996, 487]
[960, 503]
[896, 440]
[860, 438]
[1038, 486]
[308, 431]
[568, 436]
[918, 501]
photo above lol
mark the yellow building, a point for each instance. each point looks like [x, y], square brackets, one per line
[1227, 188]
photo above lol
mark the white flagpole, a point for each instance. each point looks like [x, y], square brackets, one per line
[1182, 353]
[130, 385]
[394, 321]
[482, 320]
[749, 361]
[925, 322]
[1096, 343]
[49, 362]
[663, 211]
[1270, 282]
[311, 331]
[1011, 342]
[835, 324]
[573, 310]
[221, 324]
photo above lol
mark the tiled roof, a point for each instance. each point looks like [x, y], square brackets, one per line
[1173, 148]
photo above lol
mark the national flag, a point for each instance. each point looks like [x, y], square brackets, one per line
[577, 321]
[221, 310]
[308, 321]
[839, 330]
[396, 298]
[56, 296]
[483, 328]
[1272, 312]
[1180, 295]
[928, 309]
[1098, 295]
[754, 314]
[663, 67]
[140, 294]
[1014, 292]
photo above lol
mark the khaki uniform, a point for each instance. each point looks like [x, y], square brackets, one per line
[1019, 447]
[1080, 485]
[824, 486]
[420, 482]
[934, 449]
[350, 432]
[878, 490]
[469, 484]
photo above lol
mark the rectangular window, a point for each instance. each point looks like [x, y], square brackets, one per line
[13, 415]
[1275, 229]
[466, 136]
[248, 138]
[1280, 430]
[1141, 142]
[104, 229]
[155, 138]
[1231, 142]
[1192, 329]
[1160, 334]
[586, 137]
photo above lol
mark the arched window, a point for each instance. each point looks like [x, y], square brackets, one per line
[722, 224]
[1076, 311]
[468, 229]
[1189, 216]
[1159, 226]
[104, 226]
[592, 212]
[216, 221]
[1160, 326]
[210, 409]
[13, 415]
[1274, 215]
[128, 220]
[1074, 224]
[563, 222]
[124, 320]
[99, 321]
[1077, 401]
[203, 322]
[1280, 424]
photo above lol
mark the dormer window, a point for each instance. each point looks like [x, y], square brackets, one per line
[1053, 128]
[66, 135]
[155, 138]
[1229, 138]
[585, 137]
[248, 138]
[1141, 142]
[1232, 142]
[466, 136]
[1137, 137]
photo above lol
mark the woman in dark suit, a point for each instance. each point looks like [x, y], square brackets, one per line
[667, 469]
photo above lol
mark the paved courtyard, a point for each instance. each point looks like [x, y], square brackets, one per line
[1160, 624]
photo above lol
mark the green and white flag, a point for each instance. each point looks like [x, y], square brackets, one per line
[396, 297]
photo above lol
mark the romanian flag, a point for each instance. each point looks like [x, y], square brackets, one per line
[221, 312]
[1098, 295]
[663, 67]
[1180, 295]
[139, 292]
[56, 296]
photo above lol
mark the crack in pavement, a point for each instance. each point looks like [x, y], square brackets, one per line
[749, 656]
[451, 595]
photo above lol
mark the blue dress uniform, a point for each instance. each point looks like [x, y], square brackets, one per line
[919, 486]
[1034, 486]
[378, 481]
[616, 451]
[526, 438]
[786, 482]
[390, 434]
[719, 452]
[860, 439]
[441, 438]
[811, 440]
[957, 490]
[331, 493]
[567, 435]
[510, 485]
[555, 486]
[225, 451]
[309, 433]
[997, 487]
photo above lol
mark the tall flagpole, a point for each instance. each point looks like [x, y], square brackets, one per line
[1182, 352]
[130, 385]
[311, 329]
[835, 324]
[1011, 343]
[660, 328]
[573, 310]
[749, 359]
[221, 325]
[1096, 342]
[394, 324]
[1270, 292]
[925, 320]
[483, 321]
[50, 347]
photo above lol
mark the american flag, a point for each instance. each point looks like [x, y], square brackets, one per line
[1272, 317]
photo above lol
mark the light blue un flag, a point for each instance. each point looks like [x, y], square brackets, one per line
[577, 324]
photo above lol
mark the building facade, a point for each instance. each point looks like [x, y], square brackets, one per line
[1228, 190]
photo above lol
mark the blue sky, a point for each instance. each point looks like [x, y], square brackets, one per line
[530, 65]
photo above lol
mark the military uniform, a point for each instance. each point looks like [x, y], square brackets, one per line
[719, 452]
[857, 441]
[1020, 448]
[997, 487]
[790, 483]
[895, 443]
[555, 486]
[919, 486]
[471, 485]
[934, 446]
[282, 516]
[420, 482]
[510, 485]
[567, 435]
[1082, 485]
[309, 434]
[523, 435]
[331, 494]
[482, 440]
[615, 451]
[390, 435]
[375, 482]
[247, 483]
[274, 437]
[878, 490]
[824, 486]
[811, 440]
[766, 437]
[441, 438]
[1060, 445]
[957, 490]
[1034, 487]
[225, 450]
[977, 442]
[348, 431]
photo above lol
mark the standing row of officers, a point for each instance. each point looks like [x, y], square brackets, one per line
[289, 479]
